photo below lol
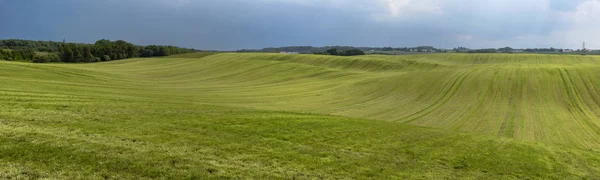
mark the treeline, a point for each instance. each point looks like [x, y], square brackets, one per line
[298, 49]
[16, 55]
[409, 49]
[154, 50]
[41, 46]
[313, 50]
[106, 50]
[101, 50]
[547, 50]
[349, 52]
[483, 51]
[28, 55]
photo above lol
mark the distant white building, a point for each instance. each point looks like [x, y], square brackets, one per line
[518, 51]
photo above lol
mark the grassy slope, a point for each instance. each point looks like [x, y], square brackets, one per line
[539, 98]
[194, 55]
[221, 116]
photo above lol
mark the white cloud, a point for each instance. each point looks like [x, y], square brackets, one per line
[466, 37]
[399, 10]
[402, 8]
[584, 25]
[378, 9]
[324, 3]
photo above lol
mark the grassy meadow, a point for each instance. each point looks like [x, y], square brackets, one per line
[271, 116]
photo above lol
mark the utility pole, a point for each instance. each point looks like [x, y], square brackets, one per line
[583, 50]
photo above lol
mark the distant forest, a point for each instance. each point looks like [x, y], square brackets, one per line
[419, 49]
[320, 50]
[102, 50]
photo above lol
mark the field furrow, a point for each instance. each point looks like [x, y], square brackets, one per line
[213, 111]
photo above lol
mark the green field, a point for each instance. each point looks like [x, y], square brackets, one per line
[264, 116]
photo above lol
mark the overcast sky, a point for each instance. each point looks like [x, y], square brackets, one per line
[238, 24]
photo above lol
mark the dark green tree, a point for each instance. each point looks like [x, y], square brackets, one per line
[353, 52]
[87, 54]
[332, 51]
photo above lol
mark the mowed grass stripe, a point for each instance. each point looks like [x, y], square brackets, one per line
[250, 80]
[236, 115]
[576, 103]
[445, 98]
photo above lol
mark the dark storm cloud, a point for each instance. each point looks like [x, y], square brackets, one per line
[237, 24]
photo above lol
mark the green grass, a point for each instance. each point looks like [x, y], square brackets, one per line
[194, 55]
[265, 116]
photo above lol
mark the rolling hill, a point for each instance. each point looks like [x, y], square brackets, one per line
[256, 115]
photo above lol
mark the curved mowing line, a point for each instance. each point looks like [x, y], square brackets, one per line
[445, 84]
[524, 98]
[508, 126]
[462, 122]
[447, 96]
[450, 83]
[590, 90]
[366, 101]
[238, 73]
[396, 89]
[575, 100]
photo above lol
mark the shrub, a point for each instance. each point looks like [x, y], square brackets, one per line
[147, 53]
[40, 59]
[353, 52]
[122, 56]
[333, 51]
[105, 58]
[350, 52]
[46, 58]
